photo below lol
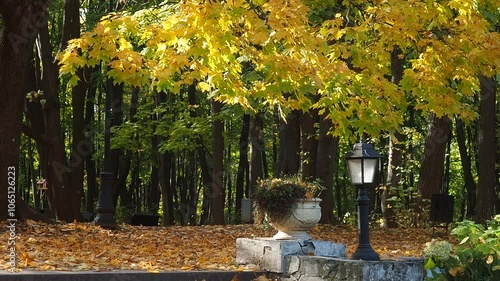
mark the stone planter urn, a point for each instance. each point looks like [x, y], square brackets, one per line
[305, 214]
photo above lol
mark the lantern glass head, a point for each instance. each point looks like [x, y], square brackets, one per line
[362, 163]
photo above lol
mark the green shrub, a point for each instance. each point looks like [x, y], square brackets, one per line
[475, 257]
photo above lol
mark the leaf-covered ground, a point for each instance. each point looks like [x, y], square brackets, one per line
[83, 246]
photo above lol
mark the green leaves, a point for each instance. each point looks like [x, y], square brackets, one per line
[477, 255]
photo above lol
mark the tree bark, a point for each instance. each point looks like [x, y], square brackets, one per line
[487, 178]
[255, 152]
[309, 143]
[206, 175]
[63, 196]
[395, 157]
[21, 22]
[395, 161]
[80, 147]
[289, 150]
[218, 193]
[470, 184]
[165, 173]
[325, 166]
[242, 163]
[432, 167]
[90, 165]
[119, 158]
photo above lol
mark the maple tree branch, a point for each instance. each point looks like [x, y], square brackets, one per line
[258, 10]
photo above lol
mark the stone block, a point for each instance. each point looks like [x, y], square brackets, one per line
[269, 254]
[305, 268]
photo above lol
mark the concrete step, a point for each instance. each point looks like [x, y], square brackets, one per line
[311, 268]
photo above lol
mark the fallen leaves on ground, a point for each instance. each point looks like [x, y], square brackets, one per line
[84, 246]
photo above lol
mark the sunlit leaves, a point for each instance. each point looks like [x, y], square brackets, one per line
[174, 45]
[447, 45]
[267, 53]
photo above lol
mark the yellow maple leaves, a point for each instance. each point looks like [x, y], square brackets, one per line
[200, 40]
[253, 53]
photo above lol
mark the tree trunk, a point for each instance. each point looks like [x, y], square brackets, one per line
[35, 127]
[206, 175]
[165, 166]
[395, 158]
[309, 143]
[289, 150]
[218, 194]
[432, 168]
[63, 196]
[152, 204]
[80, 147]
[325, 166]
[242, 163]
[191, 200]
[119, 158]
[395, 162]
[21, 21]
[470, 184]
[487, 178]
[90, 165]
[255, 152]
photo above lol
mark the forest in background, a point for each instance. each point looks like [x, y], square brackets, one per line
[203, 104]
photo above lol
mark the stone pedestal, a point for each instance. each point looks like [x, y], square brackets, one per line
[311, 260]
[269, 254]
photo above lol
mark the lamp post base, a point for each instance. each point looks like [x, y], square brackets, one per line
[365, 252]
[105, 220]
[105, 208]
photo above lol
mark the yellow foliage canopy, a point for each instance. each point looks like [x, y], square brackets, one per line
[266, 53]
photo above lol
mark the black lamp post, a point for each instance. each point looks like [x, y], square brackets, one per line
[362, 162]
[105, 206]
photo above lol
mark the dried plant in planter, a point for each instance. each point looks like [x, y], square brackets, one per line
[276, 196]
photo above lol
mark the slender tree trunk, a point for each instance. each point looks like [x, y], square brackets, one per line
[166, 188]
[35, 127]
[80, 147]
[191, 188]
[218, 193]
[154, 184]
[309, 143]
[63, 195]
[487, 146]
[470, 184]
[206, 175]
[242, 163]
[395, 158]
[255, 167]
[228, 182]
[90, 165]
[255, 152]
[395, 162]
[119, 163]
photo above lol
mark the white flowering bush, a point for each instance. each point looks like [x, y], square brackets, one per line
[475, 257]
[438, 250]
